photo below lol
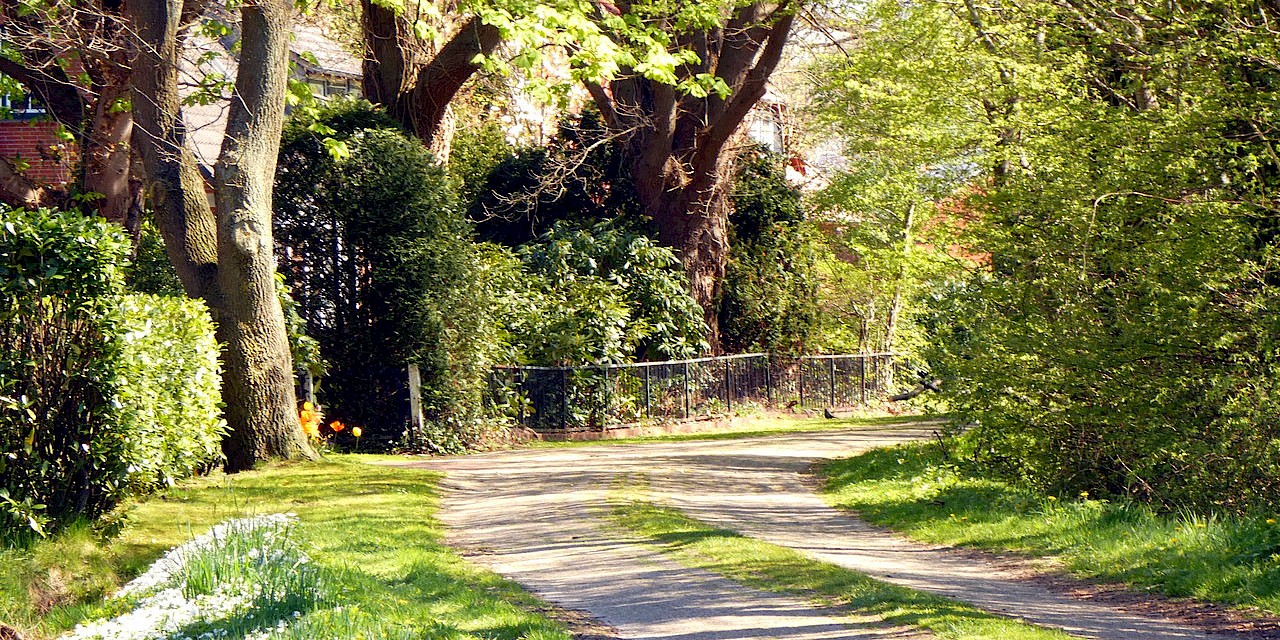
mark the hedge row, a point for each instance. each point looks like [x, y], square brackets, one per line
[103, 394]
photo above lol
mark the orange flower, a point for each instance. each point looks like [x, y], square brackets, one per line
[309, 417]
[337, 426]
[356, 431]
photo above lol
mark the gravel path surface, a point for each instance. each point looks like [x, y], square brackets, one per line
[534, 516]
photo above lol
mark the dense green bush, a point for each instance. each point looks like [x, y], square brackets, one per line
[168, 385]
[578, 178]
[380, 263]
[609, 294]
[101, 395]
[770, 296]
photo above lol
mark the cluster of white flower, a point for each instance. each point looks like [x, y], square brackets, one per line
[161, 614]
[162, 571]
[161, 611]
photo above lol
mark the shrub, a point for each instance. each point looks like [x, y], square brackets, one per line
[101, 394]
[769, 302]
[169, 389]
[611, 295]
[381, 265]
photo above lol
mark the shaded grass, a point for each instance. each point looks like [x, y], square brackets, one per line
[775, 568]
[750, 427]
[374, 524]
[910, 488]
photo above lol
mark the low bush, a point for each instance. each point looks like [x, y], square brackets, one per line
[101, 394]
[169, 389]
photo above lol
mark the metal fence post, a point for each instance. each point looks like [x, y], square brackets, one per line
[768, 381]
[608, 400]
[564, 399]
[686, 390]
[520, 378]
[801, 366]
[832, 368]
[647, 412]
[862, 372]
[728, 388]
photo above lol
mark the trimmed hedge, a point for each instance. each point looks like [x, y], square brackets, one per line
[102, 394]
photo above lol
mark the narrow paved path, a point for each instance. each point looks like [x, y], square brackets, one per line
[534, 516]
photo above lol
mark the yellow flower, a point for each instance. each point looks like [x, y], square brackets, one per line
[307, 406]
[1271, 520]
[1084, 494]
[356, 431]
[1053, 498]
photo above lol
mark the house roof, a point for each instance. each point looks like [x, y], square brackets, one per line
[207, 120]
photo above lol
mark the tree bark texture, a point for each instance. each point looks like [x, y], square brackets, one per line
[416, 81]
[226, 259]
[678, 146]
[75, 61]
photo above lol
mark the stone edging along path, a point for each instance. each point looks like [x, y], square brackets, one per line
[532, 515]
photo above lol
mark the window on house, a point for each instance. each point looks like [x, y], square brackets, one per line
[766, 129]
[16, 104]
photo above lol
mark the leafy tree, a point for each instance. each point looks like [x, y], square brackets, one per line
[1121, 339]
[907, 106]
[225, 259]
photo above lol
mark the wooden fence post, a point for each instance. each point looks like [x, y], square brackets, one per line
[415, 401]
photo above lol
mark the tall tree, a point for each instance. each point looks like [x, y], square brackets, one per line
[224, 254]
[674, 122]
[673, 85]
[73, 58]
[410, 73]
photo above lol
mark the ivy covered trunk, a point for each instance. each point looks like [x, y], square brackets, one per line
[226, 259]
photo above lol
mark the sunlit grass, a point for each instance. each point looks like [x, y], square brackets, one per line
[774, 568]
[753, 426]
[374, 524]
[909, 488]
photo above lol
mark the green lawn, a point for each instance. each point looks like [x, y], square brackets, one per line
[374, 524]
[774, 568]
[751, 426]
[909, 488]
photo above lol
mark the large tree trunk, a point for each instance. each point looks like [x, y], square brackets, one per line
[678, 146]
[415, 80]
[106, 160]
[226, 260]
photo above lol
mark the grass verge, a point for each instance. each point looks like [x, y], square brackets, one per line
[749, 427]
[770, 567]
[372, 524]
[911, 489]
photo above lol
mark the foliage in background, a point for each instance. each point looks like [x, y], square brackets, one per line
[770, 297]
[912, 131]
[611, 294]
[1120, 338]
[577, 177]
[102, 395]
[381, 265]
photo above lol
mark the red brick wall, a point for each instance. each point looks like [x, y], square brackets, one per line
[50, 160]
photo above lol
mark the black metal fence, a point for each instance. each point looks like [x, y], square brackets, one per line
[596, 398]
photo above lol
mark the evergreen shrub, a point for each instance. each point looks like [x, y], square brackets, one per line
[102, 395]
